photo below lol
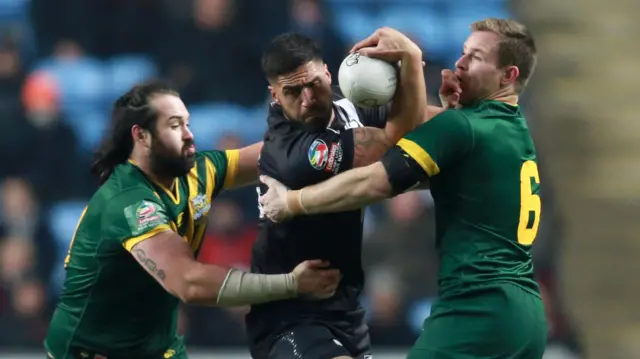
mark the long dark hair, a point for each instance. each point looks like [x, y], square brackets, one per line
[132, 108]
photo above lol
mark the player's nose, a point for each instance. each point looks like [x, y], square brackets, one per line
[187, 135]
[461, 64]
[308, 97]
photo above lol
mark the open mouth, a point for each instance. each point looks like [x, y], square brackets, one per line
[190, 150]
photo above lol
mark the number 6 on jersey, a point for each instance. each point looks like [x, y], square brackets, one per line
[530, 204]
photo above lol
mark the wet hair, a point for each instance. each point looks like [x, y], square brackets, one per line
[132, 108]
[287, 52]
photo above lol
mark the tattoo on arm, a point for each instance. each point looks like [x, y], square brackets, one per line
[149, 263]
[369, 145]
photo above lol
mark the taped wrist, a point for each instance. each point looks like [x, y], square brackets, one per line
[242, 288]
[294, 202]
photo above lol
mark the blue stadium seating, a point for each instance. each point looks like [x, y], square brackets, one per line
[82, 81]
[63, 218]
[123, 72]
[13, 10]
[418, 312]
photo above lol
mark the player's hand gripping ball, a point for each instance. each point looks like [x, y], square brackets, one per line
[367, 82]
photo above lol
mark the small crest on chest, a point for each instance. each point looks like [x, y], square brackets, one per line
[201, 206]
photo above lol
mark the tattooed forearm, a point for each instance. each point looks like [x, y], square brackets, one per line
[149, 263]
[369, 145]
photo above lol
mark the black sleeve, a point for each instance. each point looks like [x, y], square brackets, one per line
[374, 116]
[403, 171]
[312, 157]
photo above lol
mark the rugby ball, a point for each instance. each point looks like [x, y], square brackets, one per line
[367, 82]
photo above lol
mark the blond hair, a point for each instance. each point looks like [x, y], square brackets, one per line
[516, 48]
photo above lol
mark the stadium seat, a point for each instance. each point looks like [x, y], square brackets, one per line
[63, 218]
[418, 312]
[421, 22]
[210, 121]
[256, 123]
[460, 14]
[90, 125]
[13, 10]
[123, 72]
[352, 22]
[81, 81]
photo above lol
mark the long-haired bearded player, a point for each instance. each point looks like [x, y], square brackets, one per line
[132, 258]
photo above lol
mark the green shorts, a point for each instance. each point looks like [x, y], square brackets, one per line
[177, 349]
[499, 322]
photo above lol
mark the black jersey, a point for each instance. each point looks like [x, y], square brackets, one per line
[298, 156]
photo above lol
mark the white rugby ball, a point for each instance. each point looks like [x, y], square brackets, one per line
[367, 82]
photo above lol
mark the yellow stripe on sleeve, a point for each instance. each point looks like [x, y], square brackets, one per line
[233, 162]
[210, 183]
[131, 242]
[420, 155]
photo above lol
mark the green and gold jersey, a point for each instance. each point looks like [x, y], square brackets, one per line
[483, 172]
[109, 304]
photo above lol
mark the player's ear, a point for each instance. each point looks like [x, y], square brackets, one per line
[327, 73]
[274, 95]
[141, 135]
[510, 75]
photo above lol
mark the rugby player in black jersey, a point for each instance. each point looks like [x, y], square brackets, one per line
[312, 135]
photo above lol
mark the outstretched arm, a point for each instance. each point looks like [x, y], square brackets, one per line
[397, 172]
[351, 190]
[169, 259]
[247, 167]
[137, 220]
[416, 158]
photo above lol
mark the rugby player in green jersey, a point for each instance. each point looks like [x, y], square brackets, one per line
[480, 163]
[132, 258]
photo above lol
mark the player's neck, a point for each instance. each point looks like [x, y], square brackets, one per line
[145, 167]
[505, 95]
[333, 117]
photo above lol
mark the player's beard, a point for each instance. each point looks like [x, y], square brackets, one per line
[319, 117]
[167, 164]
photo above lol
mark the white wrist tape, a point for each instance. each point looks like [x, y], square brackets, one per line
[241, 288]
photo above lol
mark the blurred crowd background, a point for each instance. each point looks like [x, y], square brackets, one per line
[62, 63]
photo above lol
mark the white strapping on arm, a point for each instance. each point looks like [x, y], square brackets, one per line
[242, 288]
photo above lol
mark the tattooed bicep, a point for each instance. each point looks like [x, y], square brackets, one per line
[369, 144]
[160, 254]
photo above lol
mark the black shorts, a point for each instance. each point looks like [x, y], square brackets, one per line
[313, 341]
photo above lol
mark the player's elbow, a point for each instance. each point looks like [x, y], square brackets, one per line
[182, 289]
[188, 293]
[188, 289]
[200, 284]
[191, 294]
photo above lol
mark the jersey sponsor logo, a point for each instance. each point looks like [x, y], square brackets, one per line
[201, 206]
[318, 154]
[143, 216]
[335, 158]
[146, 212]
